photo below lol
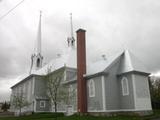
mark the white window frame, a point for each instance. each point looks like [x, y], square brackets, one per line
[91, 87]
[124, 81]
[42, 104]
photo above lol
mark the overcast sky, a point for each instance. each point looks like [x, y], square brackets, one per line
[111, 25]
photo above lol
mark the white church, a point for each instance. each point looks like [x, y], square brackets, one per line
[113, 85]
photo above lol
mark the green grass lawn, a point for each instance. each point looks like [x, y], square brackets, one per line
[50, 116]
[74, 117]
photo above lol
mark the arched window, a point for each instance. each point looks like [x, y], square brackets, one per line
[125, 89]
[91, 88]
[38, 62]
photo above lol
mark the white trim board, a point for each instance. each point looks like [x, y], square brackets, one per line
[33, 85]
[103, 94]
[134, 91]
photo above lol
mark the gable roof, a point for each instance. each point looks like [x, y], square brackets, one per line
[128, 63]
[23, 78]
[68, 59]
[102, 65]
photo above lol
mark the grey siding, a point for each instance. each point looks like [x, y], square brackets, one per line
[26, 88]
[70, 74]
[40, 89]
[142, 89]
[112, 87]
[95, 103]
[127, 101]
[143, 101]
[40, 93]
[61, 107]
[73, 99]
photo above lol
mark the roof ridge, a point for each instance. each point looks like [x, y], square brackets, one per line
[127, 52]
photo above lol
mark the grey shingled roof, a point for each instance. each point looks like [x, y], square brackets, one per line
[128, 62]
[101, 65]
[67, 59]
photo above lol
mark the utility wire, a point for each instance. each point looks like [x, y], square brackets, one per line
[1, 17]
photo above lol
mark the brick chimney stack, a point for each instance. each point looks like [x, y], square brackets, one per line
[81, 70]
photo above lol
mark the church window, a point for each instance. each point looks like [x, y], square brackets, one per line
[38, 62]
[125, 89]
[42, 104]
[91, 88]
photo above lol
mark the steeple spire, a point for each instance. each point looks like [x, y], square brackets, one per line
[71, 25]
[38, 45]
[36, 58]
[71, 40]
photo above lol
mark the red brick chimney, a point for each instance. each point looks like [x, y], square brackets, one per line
[81, 70]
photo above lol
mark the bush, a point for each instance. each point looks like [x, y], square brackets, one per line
[5, 106]
[155, 104]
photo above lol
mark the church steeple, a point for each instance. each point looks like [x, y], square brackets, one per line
[71, 40]
[38, 45]
[37, 58]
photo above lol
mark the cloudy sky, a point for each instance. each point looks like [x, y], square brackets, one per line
[111, 25]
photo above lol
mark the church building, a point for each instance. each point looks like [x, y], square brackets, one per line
[116, 84]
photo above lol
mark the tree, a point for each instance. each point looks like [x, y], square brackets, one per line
[19, 101]
[56, 92]
[154, 83]
[5, 106]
